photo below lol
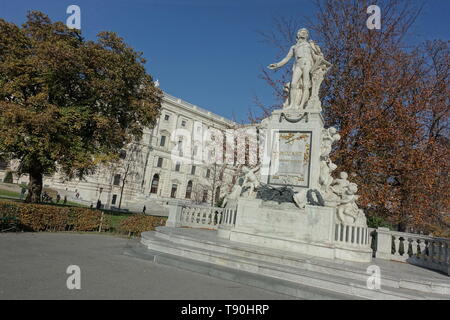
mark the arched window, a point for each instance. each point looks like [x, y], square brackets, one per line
[155, 182]
[189, 189]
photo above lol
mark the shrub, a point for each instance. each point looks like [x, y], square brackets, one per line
[41, 217]
[138, 223]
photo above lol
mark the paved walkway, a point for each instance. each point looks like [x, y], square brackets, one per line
[33, 266]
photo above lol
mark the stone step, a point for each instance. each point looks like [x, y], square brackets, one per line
[390, 276]
[288, 288]
[323, 281]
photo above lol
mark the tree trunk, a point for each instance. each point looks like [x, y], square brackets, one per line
[34, 187]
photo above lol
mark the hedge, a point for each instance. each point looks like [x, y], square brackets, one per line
[42, 217]
[138, 223]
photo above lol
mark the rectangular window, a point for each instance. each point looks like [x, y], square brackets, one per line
[173, 192]
[180, 147]
[160, 162]
[163, 141]
[183, 123]
[114, 199]
[177, 167]
[208, 172]
[166, 117]
[116, 180]
[193, 170]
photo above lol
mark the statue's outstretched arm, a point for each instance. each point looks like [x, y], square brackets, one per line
[284, 61]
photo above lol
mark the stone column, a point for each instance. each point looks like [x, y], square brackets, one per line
[174, 219]
[384, 243]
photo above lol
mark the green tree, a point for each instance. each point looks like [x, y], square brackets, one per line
[67, 103]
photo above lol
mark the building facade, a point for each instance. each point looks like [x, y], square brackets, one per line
[191, 154]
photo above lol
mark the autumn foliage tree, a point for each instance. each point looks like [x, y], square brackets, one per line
[390, 103]
[66, 102]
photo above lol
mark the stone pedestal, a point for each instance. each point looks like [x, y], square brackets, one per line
[312, 230]
[301, 160]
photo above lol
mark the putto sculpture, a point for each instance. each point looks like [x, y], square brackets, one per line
[308, 72]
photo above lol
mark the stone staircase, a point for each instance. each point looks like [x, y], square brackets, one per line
[288, 273]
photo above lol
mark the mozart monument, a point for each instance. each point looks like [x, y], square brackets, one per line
[291, 223]
[291, 201]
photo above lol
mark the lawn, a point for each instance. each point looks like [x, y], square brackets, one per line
[11, 194]
[116, 218]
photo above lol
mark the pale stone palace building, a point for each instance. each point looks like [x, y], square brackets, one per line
[166, 165]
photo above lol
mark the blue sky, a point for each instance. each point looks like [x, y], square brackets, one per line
[206, 52]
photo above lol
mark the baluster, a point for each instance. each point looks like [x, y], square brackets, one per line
[431, 250]
[438, 252]
[204, 217]
[212, 215]
[396, 246]
[207, 215]
[406, 244]
[353, 235]
[188, 216]
[220, 215]
[422, 248]
[196, 216]
[233, 216]
[446, 253]
[414, 247]
[219, 218]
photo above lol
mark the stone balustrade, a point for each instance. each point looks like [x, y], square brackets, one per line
[200, 217]
[228, 218]
[351, 234]
[194, 216]
[425, 251]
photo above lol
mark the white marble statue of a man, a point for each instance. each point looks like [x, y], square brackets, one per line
[308, 57]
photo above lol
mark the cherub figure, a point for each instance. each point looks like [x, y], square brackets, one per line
[251, 182]
[339, 185]
[234, 195]
[329, 136]
[347, 205]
